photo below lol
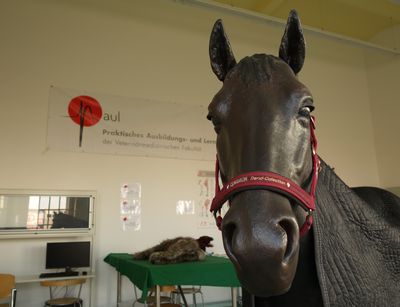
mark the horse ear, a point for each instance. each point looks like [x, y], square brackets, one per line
[221, 55]
[293, 47]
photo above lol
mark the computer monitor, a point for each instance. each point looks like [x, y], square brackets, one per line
[67, 255]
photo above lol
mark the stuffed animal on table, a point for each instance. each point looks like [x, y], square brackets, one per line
[176, 250]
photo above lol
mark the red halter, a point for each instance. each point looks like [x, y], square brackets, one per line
[270, 181]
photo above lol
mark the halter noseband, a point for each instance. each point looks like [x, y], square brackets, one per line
[270, 181]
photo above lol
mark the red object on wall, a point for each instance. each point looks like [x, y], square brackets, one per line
[85, 110]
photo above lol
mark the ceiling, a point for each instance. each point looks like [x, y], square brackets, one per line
[358, 19]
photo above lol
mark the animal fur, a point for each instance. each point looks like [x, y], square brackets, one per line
[176, 250]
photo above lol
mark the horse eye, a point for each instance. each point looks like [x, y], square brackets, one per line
[305, 111]
[215, 122]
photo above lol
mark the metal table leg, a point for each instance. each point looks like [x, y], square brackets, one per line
[234, 297]
[157, 295]
[118, 288]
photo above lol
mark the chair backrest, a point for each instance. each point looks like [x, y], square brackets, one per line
[7, 284]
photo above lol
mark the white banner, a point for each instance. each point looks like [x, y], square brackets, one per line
[82, 121]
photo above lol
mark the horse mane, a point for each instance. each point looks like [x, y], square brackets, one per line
[364, 268]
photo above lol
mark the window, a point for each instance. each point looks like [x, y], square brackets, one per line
[23, 212]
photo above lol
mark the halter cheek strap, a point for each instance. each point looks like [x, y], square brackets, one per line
[270, 181]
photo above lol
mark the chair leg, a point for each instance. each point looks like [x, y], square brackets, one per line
[202, 298]
[194, 299]
[176, 298]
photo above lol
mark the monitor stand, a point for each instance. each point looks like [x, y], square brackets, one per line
[70, 272]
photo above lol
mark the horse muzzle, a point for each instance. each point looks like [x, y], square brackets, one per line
[264, 252]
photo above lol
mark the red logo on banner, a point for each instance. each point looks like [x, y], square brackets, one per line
[85, 111]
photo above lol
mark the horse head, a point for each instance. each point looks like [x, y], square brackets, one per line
[262, 119]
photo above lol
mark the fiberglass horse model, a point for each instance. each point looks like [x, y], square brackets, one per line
[347, 251]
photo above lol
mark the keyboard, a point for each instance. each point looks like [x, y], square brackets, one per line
[58, 274]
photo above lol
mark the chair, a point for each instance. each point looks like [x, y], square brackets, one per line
[7, 290]
[66, 300]
[190, 290]
[165, 300]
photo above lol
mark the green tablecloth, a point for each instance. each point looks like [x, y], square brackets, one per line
[213, 271]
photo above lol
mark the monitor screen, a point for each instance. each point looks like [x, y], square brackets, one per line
[67, 255]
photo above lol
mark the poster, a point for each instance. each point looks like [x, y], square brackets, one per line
[130, 206]
[206, 192]
[82, 121]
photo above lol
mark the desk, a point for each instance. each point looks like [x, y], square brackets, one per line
[35, 278]
[212, 271]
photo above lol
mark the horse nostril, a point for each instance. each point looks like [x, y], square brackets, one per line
[228, 231]
[292, 236]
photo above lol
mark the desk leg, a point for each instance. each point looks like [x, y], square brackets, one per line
[234, 297]
[118, 288]
[91, 285]
[158, 296]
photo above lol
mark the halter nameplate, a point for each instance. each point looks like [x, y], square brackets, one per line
[270, 181]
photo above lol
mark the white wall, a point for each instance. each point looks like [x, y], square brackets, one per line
[383, 83]
[155, 50]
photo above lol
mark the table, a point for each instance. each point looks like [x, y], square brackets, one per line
[35, 278]
[212, 271]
